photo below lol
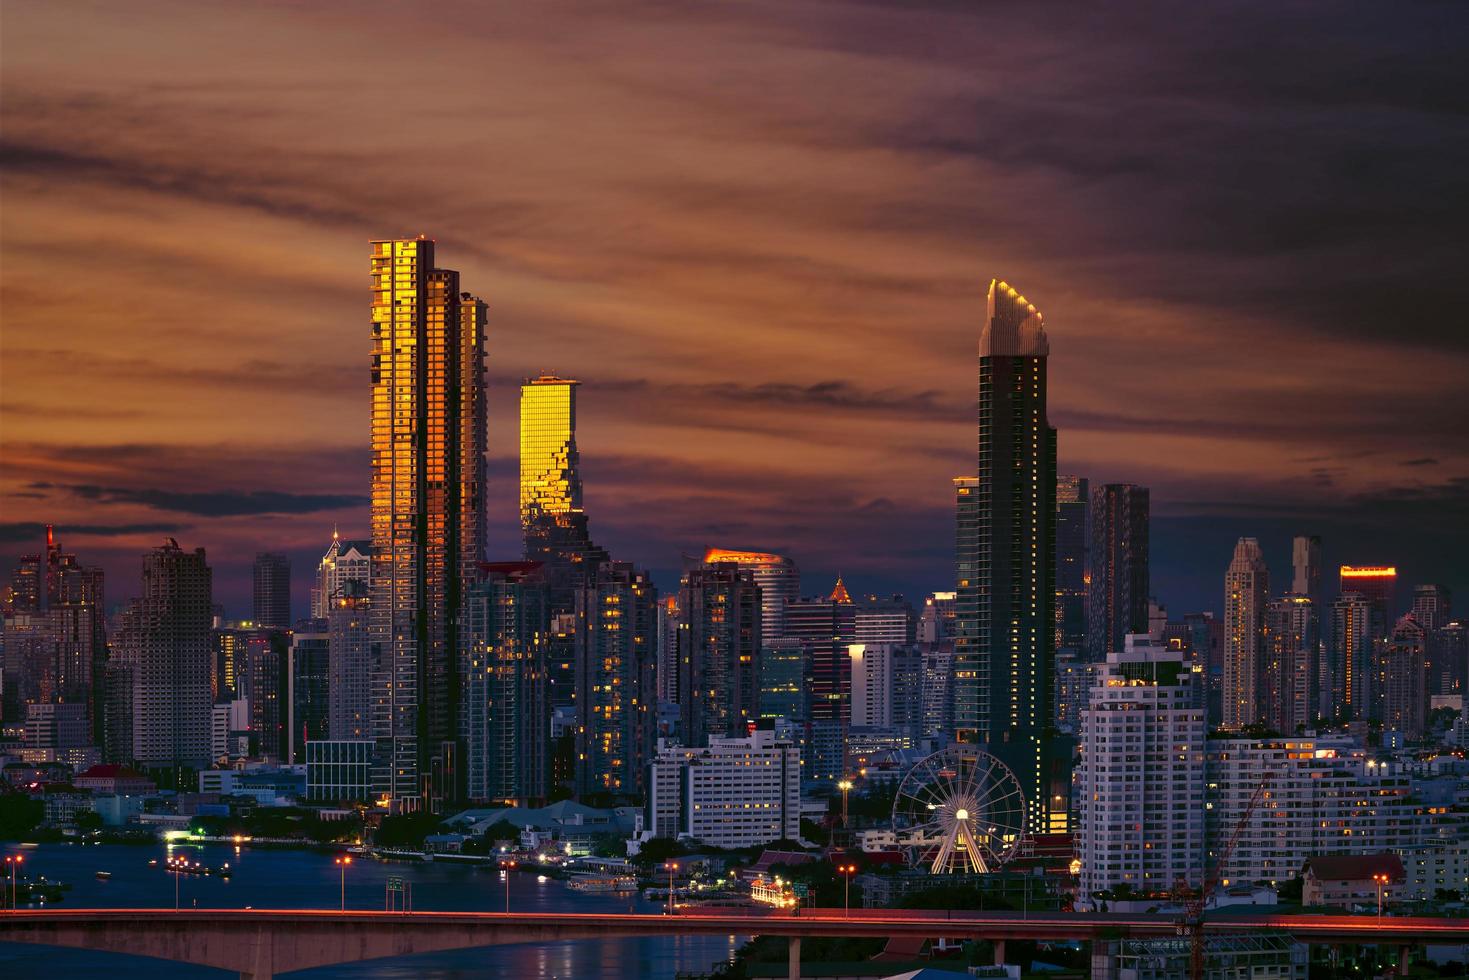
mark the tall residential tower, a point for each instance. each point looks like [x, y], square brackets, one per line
[428, 442]
[1005, 622]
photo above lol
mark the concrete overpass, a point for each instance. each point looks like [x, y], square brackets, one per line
[258, 944]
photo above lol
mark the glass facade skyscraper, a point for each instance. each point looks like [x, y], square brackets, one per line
[1005, 614]
[1073, 540]
[1119, 583]
[428, 442]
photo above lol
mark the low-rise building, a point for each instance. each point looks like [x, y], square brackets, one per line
[1347, 880]
[115, 779]
[736, 792]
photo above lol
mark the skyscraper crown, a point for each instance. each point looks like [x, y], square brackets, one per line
[1013, 327]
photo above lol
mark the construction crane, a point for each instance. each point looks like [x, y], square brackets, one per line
[1192, 923]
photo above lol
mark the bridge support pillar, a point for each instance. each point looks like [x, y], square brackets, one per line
[999, 952]
[793, 970]
[1403, 952]
[261, 952]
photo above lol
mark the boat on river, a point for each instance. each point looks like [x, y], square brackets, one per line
[603, 883]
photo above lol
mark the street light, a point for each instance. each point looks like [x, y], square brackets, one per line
[1381, 880]
[176, 866]
[505, 868]
[672, 866]
[846, 871]
[342, 863]
[14, 861]
[845, 786]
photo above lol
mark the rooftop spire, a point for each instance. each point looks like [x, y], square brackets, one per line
[1013, 327]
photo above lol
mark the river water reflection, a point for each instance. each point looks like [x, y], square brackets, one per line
[265, 879]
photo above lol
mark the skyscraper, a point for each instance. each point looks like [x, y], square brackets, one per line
[1346, 677]
[1305, 560]
[1378, 584]
[350, 665]
[719, 641]
[616, 704]
[779, 580]
[272, 591]
[825, 626]
[1073, 542]
[506, 717]
[1289, 697]
[308, 693]
[1120, 584]
[1432, 606]
[428, 439]
[163, 656]
[1006, 620]
[552, 522]
[1246, 590]
[1402, 680]
[344, 561]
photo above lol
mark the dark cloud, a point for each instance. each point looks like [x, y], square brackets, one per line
[30, 533]
[219, 503]
[1420, 461]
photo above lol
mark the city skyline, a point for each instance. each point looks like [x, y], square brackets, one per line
[714, 414]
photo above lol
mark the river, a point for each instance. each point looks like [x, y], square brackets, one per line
[265, 879]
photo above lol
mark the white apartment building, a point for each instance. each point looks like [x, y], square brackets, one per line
[1321, 796]
[735, 793]
[1140, 784]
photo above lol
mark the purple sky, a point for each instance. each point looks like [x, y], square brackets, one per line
[760, 234]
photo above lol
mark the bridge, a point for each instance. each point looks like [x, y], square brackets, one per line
[258, 944]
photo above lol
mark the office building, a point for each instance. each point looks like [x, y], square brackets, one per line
[262, 678]
[272, 606]
[343, 562]
[428, 458]
[339, 771]
[783, 679]
[1378, 584]
[825, 626]
[1118, 566]
[886, 619]
[1073, 546]
[1288, 677]
[553, 524]
[506, 716]
[887, 686]
[734, 792]
[1432, 606]
[351, 665]
[937, 695]
[779, 580]
[1320, 796]
[1005, 620]
[1140, 783]
[719, 645]
[1305, 560]
[308, 693]
[1402, 680]
[615, 697]
[164, 655]
[1246, 588]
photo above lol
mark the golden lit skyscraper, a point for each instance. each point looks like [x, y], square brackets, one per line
[551, 517]
[428, 441]
[550, 482]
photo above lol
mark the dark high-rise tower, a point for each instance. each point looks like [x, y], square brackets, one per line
[1119, 590]
[272, 591]
[1073, 541]
[1005, 645]
[428, 444]
[718, 652]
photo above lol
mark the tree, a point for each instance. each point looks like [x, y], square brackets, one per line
[88, 821]
[406, 829]
[660, 850]
[19, 815]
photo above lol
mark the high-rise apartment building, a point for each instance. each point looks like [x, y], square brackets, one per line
[344, 561]
[1346, 676]
[616, 704]
[1402, 679]
[1246, 590]
[506, 717]
[262, 680]
[351, 665]
[887, 686]
[1289, 671]
[1073, 544]
[164, 658]
[779, 580]
[1140, 783]
[272, 606]
[428, 458]
[1118, 566]
[719, 645]
[890, 619]
[936, 620]
[825, 626]
[1006, 621]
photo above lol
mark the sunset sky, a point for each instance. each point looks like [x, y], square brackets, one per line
[760, 234]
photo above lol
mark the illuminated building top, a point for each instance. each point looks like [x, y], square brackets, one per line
[550, 478]
[1013, 327]
[1368, 571]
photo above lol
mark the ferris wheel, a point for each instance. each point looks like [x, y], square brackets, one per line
[959, 811]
